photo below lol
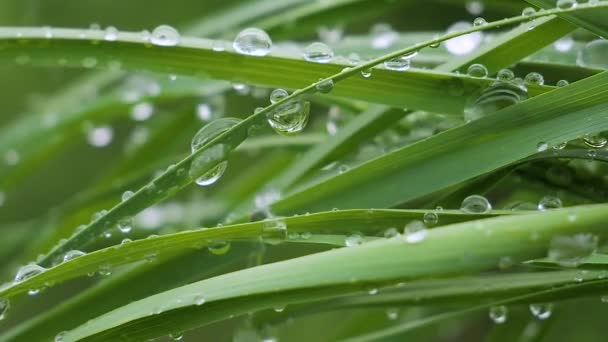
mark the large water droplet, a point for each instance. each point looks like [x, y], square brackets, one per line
[430, 218]
[414, 232]
[465, 44]
[477, 70]
[277, 95]
[571, 251]
[400, 63]
[498, 314]
[289, 118]
[498, 95]
[593, 55]
[318, 53]
[476, 204]
[73, 254]
[541, 311]
[27, 272]
[534, 78]
[165, 35]
[211, 130]
[253, 42]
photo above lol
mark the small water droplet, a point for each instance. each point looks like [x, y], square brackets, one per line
[391, 233]
[534, 78]
[528, 11]
[110, 34]
[542, 146]
[549, 202]
[366, 73]
[595, 140]
[353, 240]
[430, 218]
[277, 95]
[325, 85]
[565, 4]
[176, 336]
[401, 63]
[561, 83]
[541, 311]
[4, 306]
[318, 53]
[414, 232]
[126, 195]
[505, 75]
[253, 42]
[125, 225]
[476, 204]
[165, 35]
[479, 21]
[498, 314]
[199, 300]
[72, 255]
[392, 313]
[477, 71]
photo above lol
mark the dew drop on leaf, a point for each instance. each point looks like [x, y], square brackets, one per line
[165, 35]
[476, 204]
[253, 42]
[318, 53]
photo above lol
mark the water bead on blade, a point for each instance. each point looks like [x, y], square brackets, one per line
[528, 11]
[476, 204]
[110, 34]
[27, 272]
[500, 94]
[212, 175]
[565, 4]
[126, 195]
[165, 35]
[549, 202]
[571, 251]
[593, 55]
[541, 311]
[477, 71]
[289, 118]
[595, 140]
[325, 86]
[561, 83]
[73, 254]
[353, 240]
[318, 53]
[534, 78]
[415, 232]
[479, 21]
[211, 130]
[253, 42]
[498, 314]
[505, 75]
[278, 94]
[400, 63]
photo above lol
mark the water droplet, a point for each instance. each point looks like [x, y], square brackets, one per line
[289, 118]
[498, 95]
[252, 42]
[400, 63]
[199, 300]
[534, 78]
[218, 247]
[561, 83]
[61, 336]
[542, 146]
[126, 195]
[325, 86]
[125, 225]
[595, 141]
[176, 336]
[72, 255]
[541, 311]
[498, 314]
[165, 35]
[100, 136]
[549, 202]
[277, 95]
[415, 232]
[528, 11]
[565, 4]
[465, 44]
[505, 75]
[391, 233]
[593, 55]
[142, 111]
[27, 272]
[479, 21]
[110, 34]
[392, 313]
[560, 146]
[318, 53]
[477, 70]
[430, 218]
[572, 250]
[353, 240]
[211, 131]
[366, 73]
[476, 204]
[4, 306]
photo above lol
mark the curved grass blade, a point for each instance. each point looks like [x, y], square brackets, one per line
[458, 248]
[594, 21]
[335, 222]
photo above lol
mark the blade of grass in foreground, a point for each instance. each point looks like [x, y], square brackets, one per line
[458, 248]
